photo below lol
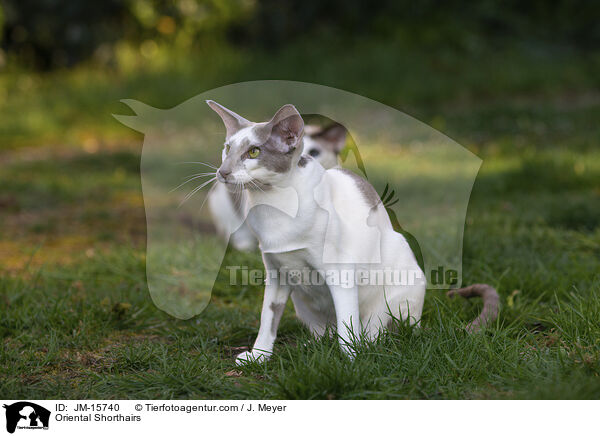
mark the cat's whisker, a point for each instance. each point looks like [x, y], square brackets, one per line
[196, 189]
[188, 196]
[201, 163]
[214, 173]
[237, 193]
[256, 185]
[207, 195]
[193, 177]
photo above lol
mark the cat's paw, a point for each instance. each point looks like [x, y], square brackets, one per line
[251, 356]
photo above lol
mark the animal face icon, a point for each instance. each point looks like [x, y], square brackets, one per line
[26, 414]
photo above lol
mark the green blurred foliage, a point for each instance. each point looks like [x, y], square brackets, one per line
[49, 33]
[433, 21]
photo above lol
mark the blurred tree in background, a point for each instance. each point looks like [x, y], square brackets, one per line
[46, 34]
[573, 21]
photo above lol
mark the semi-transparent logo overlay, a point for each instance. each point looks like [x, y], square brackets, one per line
[423, 179]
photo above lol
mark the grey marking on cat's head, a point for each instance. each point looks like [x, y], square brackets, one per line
[273, 159]
[366, 189]
[278, 140]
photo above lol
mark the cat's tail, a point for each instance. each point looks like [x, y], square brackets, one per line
[490, 304]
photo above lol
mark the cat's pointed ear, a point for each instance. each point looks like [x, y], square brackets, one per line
[233, 122]
[334, 136]
[286, 127]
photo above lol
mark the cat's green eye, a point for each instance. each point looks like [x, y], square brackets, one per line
[253, 152]
[227, 148]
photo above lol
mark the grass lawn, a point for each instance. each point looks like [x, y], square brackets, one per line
[77, 319]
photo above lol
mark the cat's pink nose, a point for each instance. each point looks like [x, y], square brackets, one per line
[224, 173]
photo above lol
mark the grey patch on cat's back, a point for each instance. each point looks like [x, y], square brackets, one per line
[366, 189]
[277, 309]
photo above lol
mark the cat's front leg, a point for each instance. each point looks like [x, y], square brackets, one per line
[273, 305]
[345, 300]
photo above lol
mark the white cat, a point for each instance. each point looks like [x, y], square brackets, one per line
[228, 202]
[329, 224]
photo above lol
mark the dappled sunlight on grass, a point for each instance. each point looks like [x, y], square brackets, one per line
[69, 204]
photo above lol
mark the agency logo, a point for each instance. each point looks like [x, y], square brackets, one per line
[26, 415]
[192, 215]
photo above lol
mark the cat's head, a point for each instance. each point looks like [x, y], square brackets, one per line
[262, 153]
[324, 143]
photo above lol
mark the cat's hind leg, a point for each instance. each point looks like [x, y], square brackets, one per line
[315, 320]
[345, 301]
